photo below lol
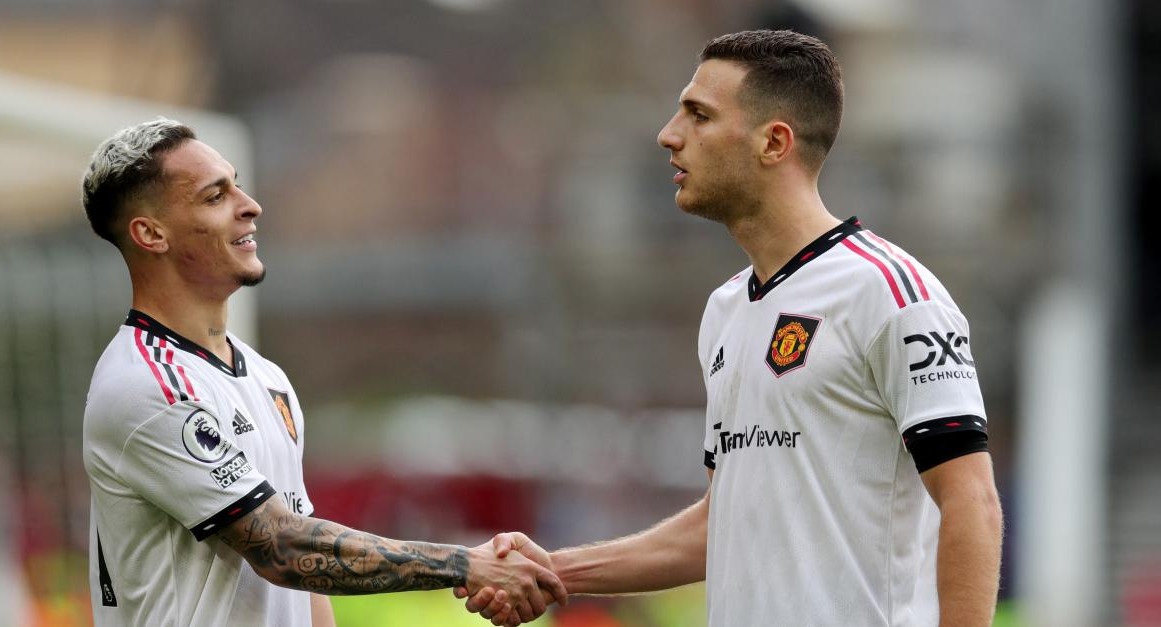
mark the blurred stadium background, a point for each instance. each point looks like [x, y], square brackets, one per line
[489, 305]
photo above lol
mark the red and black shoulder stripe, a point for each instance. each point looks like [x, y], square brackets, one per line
[171, 377]
[157, 344]
[898, 271]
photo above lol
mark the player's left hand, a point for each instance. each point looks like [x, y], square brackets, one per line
[490, 604]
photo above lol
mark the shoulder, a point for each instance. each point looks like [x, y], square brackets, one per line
[133, 382]
[884, 278]
[726, 297]
[129, 380]
[886, 287]
[728, 293]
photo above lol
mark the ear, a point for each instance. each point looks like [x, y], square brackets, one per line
[777, 142]
[148, 234]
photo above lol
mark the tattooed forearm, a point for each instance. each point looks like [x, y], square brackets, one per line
[328, 558]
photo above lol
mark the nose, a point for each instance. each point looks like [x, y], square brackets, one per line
[249, 208]
[668, 137]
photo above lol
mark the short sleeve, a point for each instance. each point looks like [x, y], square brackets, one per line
[710, 444]
[185, 463]
[923, 367]
[713, 424]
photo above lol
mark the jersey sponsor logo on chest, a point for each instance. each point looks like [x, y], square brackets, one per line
[293, 501]
[792, 338]
[755, 436]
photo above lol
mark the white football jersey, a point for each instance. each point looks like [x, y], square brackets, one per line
[815, 379]
[178, 445]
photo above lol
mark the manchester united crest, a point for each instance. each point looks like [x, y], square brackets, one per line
[793, 336]
[282, 402]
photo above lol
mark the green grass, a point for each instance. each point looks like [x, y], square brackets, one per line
[682, 607]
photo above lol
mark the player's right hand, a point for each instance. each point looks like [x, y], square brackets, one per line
[503, 543]
[529, 586]
[491, 604]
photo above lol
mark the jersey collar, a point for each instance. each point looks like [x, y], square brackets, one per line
[812, 251]
[151, 326]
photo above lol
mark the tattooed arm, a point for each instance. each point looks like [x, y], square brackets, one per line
[320, 556]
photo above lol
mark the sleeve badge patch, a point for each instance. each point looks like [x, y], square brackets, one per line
[229, 472]
[202, 437]
[793, 336]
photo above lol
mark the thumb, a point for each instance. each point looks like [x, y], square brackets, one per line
[503, 543]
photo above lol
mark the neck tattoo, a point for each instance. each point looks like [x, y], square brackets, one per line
[216, 332]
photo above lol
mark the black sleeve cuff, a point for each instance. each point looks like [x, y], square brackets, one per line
[233, 512]
[934, 442]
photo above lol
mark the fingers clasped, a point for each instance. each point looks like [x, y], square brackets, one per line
[510, 581]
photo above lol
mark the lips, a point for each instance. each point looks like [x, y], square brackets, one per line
[681, 172]
[246, 242]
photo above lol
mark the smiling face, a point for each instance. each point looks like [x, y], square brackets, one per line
[207, 220]
[714, 145]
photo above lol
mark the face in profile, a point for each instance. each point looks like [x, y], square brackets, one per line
[711, 140]
[209, 221]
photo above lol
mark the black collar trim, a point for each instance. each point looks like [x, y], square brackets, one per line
[813, 250]
[150, 325]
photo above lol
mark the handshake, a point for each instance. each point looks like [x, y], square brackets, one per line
[507, 588]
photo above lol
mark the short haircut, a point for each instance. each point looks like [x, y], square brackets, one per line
[791, 76]
[124, 167]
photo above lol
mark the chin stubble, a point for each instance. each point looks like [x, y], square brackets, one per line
[716, 207]
[251, 280]
[726, 201]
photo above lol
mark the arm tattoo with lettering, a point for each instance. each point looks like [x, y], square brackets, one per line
[325, 557]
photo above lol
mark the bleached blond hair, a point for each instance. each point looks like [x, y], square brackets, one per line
[124, 166]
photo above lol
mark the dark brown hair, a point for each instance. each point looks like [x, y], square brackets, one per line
[791, 76]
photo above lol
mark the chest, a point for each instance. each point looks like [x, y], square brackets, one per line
[785, 364]
[260, 415]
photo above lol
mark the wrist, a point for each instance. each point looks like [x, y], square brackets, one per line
[475, 557]
[569, 568]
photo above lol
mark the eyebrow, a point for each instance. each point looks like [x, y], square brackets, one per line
[222, 182]
[692, 103]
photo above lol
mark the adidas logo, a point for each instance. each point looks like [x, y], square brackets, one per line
[719, 361]
[241, 423]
